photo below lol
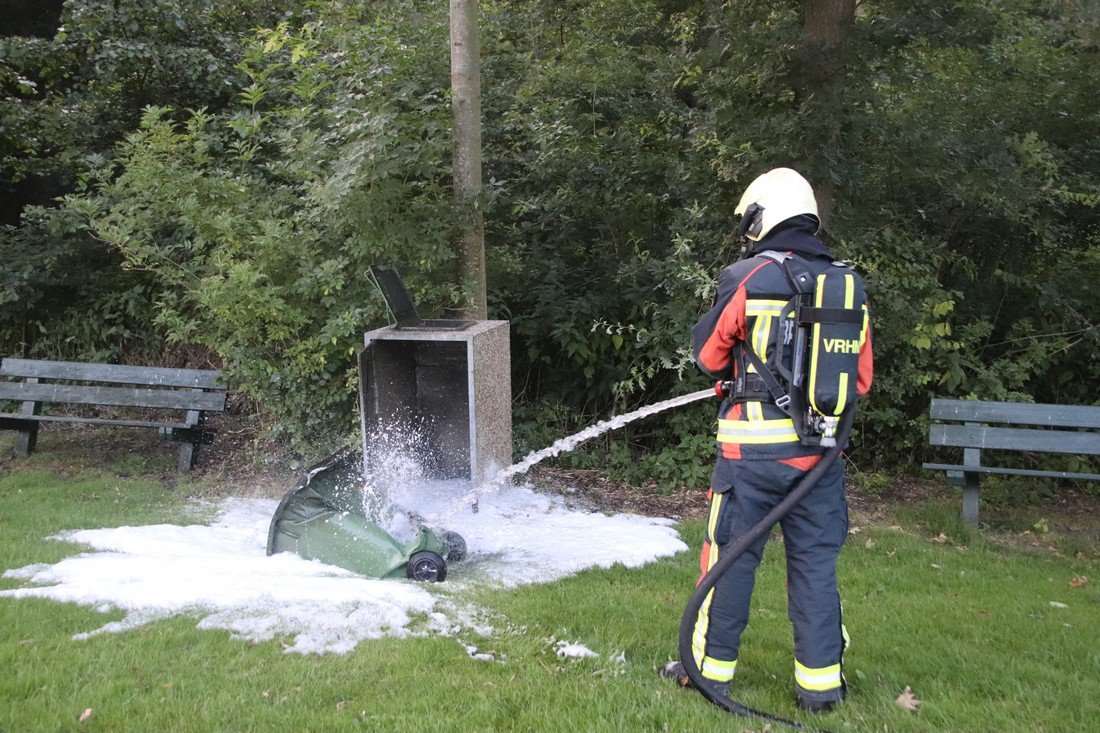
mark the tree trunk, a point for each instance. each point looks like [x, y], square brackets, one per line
[824, 25]
[466, 108]
[824, 22]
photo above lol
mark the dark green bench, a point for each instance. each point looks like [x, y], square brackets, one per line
[975, 426]
[170, 392]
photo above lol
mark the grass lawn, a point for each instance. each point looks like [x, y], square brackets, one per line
[965, 621]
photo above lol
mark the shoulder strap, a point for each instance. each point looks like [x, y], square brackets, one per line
[801, 281]
[798, 275]
[775, 389]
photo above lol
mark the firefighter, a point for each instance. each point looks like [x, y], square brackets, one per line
[761, 457]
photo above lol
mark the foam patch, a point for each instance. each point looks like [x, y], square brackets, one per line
[221, 573]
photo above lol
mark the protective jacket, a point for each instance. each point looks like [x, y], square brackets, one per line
[760, 459]
[751, 294]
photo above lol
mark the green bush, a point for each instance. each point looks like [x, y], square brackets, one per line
[65, 102]
[617, 138]
[258, 223]
[971, 216]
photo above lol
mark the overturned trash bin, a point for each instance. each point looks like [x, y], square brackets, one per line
[445, 381]
[324, 518]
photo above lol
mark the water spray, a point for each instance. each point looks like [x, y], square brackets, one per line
[568, 443]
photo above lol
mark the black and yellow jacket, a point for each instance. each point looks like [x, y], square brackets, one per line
[751, 294]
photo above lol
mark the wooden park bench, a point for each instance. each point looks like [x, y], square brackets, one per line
[975, 426]
[194, 392]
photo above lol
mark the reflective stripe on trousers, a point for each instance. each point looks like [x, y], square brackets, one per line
[713, 668]
[817, 680]
[813, 533]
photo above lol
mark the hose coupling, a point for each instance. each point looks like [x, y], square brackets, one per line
[828, 431]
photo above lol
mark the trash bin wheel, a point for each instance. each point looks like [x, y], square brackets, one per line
[456, 546]
[427, 567]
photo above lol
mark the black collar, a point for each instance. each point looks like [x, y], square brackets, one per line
[797, 236]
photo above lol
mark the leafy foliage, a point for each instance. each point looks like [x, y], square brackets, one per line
[258, 223]
[968, 201]
[617, 137]
[65, 101]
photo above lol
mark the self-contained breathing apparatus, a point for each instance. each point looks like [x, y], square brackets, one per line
[816, 351]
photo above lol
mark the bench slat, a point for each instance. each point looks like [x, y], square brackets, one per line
[1011, 471]
[111, 373]
[15, 421]
[1047, 441]
[120, 396]
[1018, 413]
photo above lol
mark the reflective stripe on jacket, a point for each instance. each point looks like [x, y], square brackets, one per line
[750, 295]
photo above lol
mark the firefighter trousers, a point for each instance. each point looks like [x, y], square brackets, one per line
[813, 533]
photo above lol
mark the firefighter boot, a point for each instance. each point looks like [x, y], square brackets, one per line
[820, 702]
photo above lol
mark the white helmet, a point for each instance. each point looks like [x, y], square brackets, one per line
[773, 197]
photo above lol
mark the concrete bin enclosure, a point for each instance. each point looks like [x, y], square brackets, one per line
[441, 394]
[448, 391]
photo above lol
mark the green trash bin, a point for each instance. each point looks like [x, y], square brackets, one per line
[324, 518]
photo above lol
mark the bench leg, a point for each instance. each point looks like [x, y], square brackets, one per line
[970, 499]
[187, 452]
[27, 440]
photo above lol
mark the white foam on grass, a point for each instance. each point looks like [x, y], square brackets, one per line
[221, 573]
[520, 536]
[573, 650]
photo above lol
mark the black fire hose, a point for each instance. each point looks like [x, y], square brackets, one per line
[728, 556]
